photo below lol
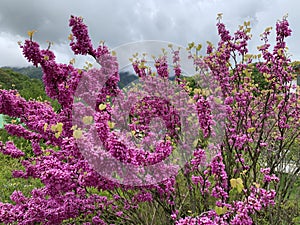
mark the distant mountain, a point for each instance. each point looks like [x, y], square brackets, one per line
[37, 73]
[30, 71]
[126, 78]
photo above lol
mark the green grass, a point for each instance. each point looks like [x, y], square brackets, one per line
[8, 184]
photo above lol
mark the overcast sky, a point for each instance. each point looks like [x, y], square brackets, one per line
[121, 21]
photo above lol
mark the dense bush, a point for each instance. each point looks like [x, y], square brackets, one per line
[244, 135]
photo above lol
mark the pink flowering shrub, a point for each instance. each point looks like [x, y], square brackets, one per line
[231, 176]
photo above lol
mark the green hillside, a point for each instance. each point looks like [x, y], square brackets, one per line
[30, 71]
[29, 88]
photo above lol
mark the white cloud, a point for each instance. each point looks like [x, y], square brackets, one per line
[10, 52]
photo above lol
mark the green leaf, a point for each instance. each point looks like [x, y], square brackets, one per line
[251, 130]
[45, 127]
[87, 120]
[57, 134]
[221, 210]
[77, 134]
[59, 127]
[111, 124]
[102, 106]
[237, 183]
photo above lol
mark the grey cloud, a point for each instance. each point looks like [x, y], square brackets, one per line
[118, 21]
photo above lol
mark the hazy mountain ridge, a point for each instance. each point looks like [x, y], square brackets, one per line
[37, 73]
[30, 71]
